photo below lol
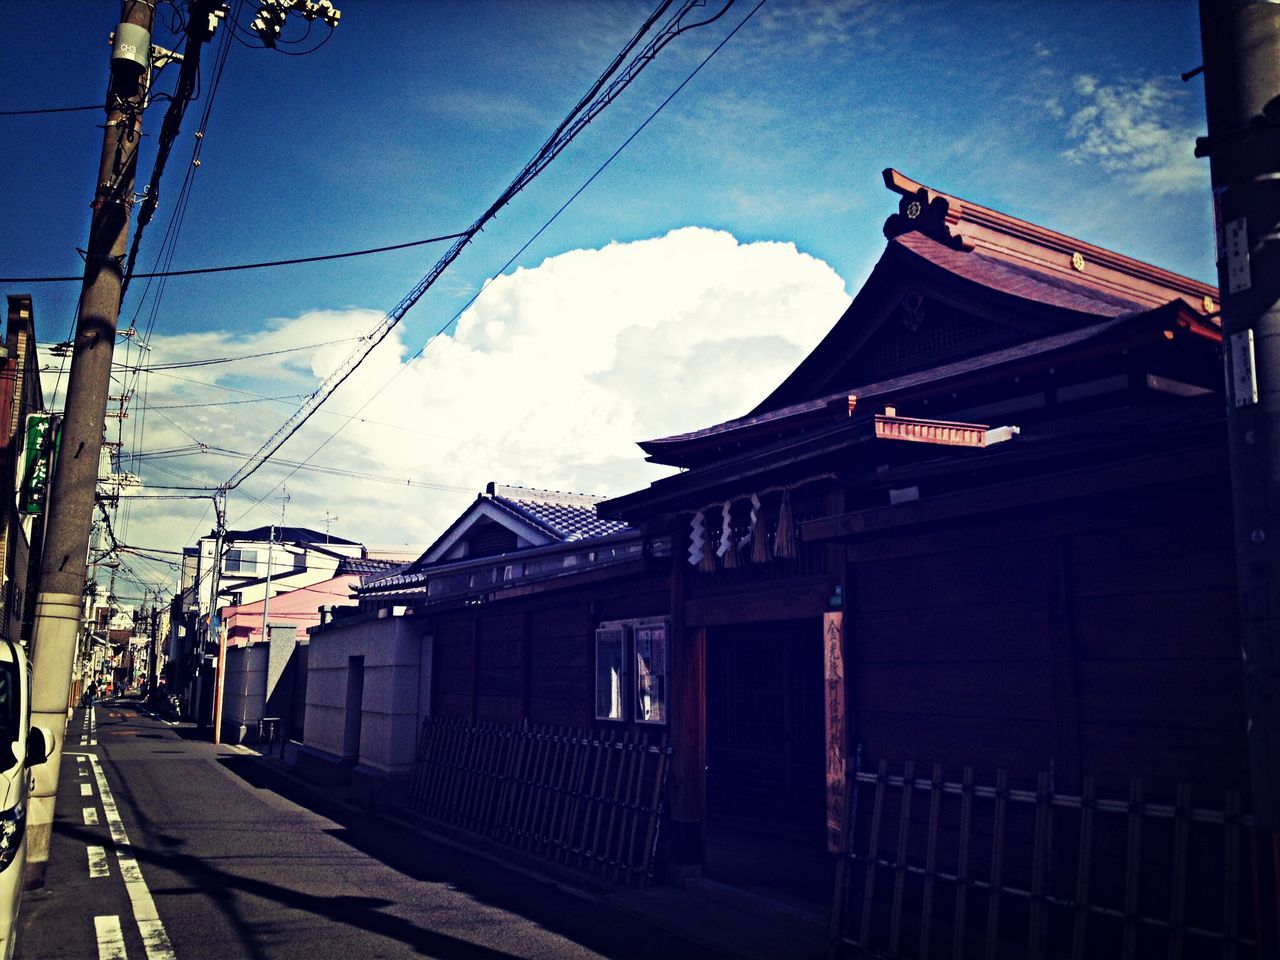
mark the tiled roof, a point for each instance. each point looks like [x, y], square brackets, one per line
[566, 521]
[366, 566]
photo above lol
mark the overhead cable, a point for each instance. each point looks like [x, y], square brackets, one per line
[259, 265]
[596, 99]
[599, 170]
[37, 110]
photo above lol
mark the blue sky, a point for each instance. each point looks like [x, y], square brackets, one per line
[415, 115]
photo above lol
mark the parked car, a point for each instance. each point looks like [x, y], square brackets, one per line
[22, 746]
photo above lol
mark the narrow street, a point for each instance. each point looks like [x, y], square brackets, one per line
[167, 846]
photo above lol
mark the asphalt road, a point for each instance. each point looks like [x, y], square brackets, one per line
[166, 846]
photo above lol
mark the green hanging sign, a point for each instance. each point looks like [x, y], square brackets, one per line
[39, 456]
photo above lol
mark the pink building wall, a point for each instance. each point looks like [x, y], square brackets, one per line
[244, 622]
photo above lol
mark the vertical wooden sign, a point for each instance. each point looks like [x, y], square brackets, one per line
[833, 657]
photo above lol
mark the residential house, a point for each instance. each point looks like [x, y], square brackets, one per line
[290, 557]
[492, 623]
[267, 647]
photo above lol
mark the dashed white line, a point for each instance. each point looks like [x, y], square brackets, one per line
[90, 816]
[154, 937]
[86, 789]
[98, 862]
[110, 938]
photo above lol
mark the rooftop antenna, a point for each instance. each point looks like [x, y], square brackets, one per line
[328, 522]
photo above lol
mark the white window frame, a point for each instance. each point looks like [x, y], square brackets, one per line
[613, 632]
[627, 696]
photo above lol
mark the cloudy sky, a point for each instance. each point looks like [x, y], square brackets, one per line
[674, 291]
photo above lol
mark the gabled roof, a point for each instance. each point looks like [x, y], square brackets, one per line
[1012, 282]
[791, 436]
[566, 516]
[365, 566]
[536, 517]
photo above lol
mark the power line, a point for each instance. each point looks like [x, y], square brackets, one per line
[596, 100]
[225, 403]
[38, 110]
[599, 170]
[212, 361]
[258, 265]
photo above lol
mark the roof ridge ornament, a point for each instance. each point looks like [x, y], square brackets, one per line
[928, 213]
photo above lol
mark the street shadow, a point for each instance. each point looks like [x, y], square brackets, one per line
[363, 913]
[598, 927]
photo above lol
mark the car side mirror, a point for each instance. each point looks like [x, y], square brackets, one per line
[39, 745]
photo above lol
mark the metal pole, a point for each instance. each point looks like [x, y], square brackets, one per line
[75, 481]
[220, 515]
[1241, 41]
[266, 597]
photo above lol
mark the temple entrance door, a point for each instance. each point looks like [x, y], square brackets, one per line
[765, 757]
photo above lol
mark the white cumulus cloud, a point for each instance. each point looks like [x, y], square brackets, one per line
[549, 380]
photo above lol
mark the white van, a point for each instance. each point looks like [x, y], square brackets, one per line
[22, 746]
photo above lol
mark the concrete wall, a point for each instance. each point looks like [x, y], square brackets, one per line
[393, 698]
[244, 695]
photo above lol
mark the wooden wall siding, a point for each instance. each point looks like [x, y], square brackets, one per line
[587, 800]
[952, 655]
[797, 600]
[531, 657]
[501, 667]
[1101, 638]
[560, 661]
[1156, 627]
[454, 668]
[975, 867]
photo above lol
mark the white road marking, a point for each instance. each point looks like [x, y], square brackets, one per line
[86, 789]
[98, 862]
[110, 938]
[154, 938]
[90, 816]
[130, 870]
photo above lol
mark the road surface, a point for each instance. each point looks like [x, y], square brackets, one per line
[168, 847]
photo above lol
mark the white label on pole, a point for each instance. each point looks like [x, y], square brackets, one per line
[1237, 243]
[1244, 376]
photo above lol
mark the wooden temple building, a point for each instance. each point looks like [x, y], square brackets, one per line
[983, 529]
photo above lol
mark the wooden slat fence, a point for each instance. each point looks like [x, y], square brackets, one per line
[589, 801]
[954, 869]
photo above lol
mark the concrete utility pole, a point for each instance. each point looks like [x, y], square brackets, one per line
[75, 481]
[1241, 43]
[220, 531]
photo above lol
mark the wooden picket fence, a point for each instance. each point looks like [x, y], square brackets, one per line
[955, 869]
[586, 800]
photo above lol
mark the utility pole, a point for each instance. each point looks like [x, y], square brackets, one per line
[271, 549]
[75, 481]
[1240, 39]
[220, 531]
[153, 655]
[266, 596]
